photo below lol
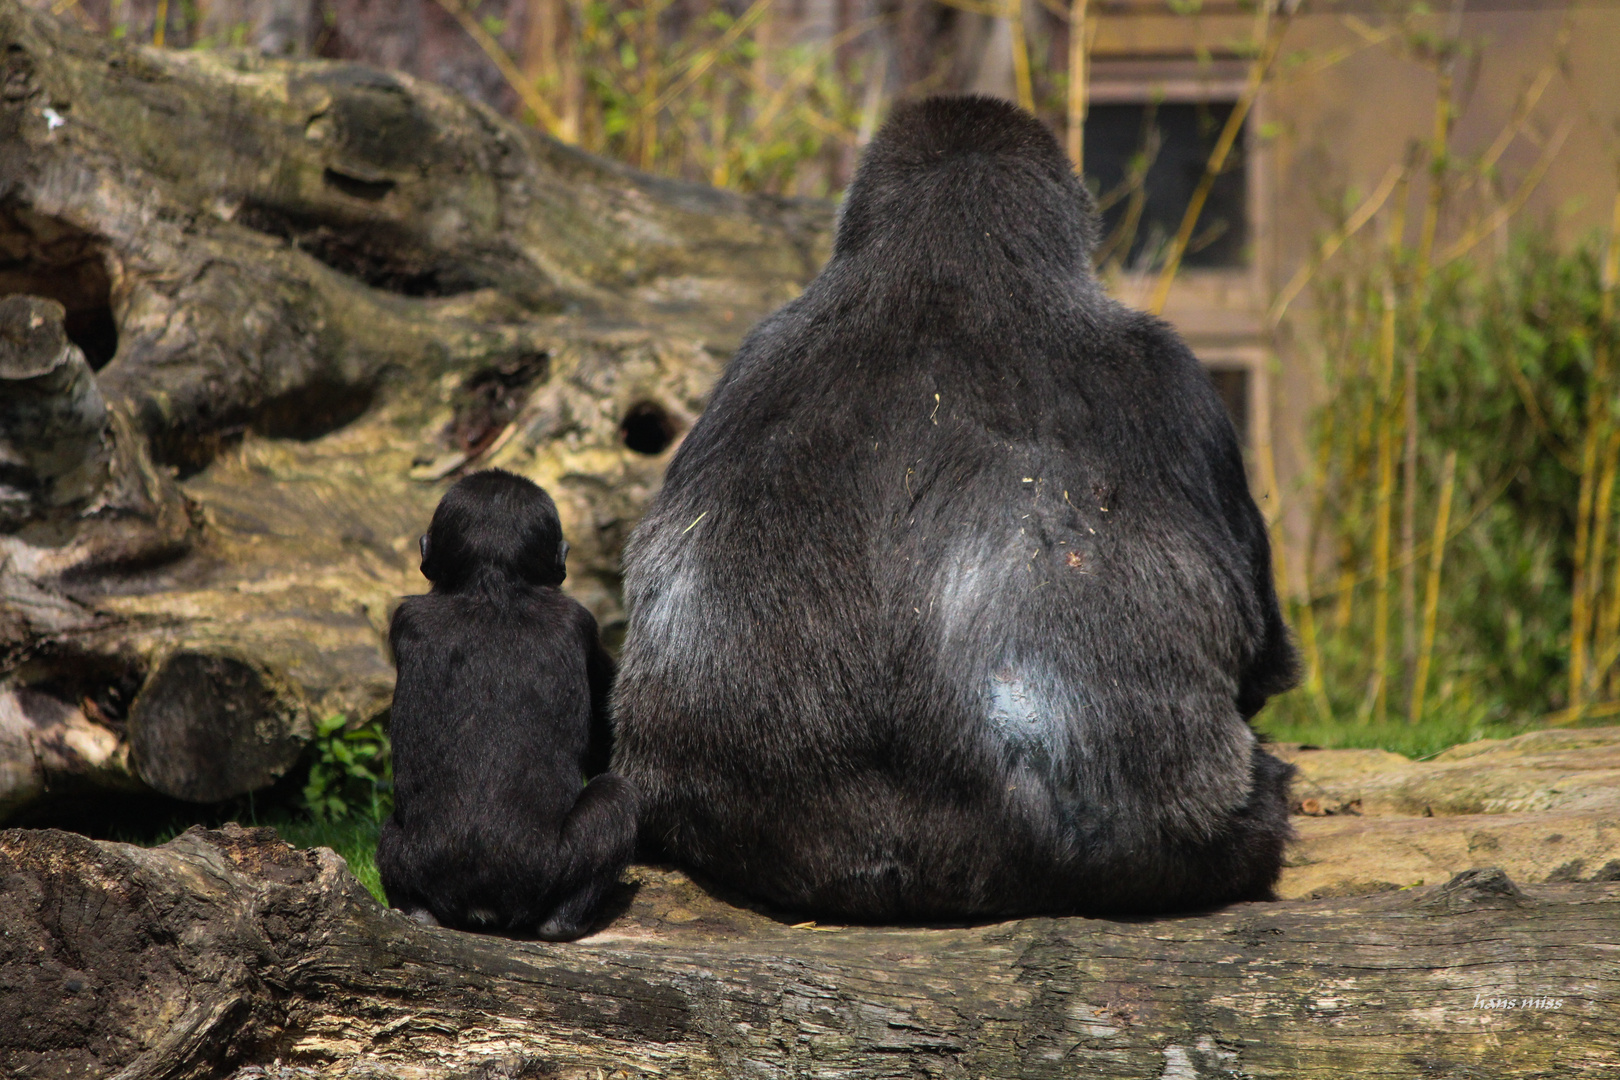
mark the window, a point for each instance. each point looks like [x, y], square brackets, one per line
[1143, 160]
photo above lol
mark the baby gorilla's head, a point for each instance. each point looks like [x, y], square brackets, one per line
[494, 521]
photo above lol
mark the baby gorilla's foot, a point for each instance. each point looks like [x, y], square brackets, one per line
[562, 928]
[421, 915]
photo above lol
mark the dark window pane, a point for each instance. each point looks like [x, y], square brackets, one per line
[1144, 161]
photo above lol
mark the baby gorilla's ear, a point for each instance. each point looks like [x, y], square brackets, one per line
[423, 544]
[562, 560]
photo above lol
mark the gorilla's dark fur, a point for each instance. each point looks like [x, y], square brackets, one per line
[955, 601]
[500, 711]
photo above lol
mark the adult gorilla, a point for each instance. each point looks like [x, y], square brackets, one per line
[955, 601]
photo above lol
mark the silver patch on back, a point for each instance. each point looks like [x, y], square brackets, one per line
[1031, 718]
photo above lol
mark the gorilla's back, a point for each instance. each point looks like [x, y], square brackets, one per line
[954, 601]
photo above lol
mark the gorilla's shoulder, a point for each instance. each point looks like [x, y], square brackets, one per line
[1150, 338]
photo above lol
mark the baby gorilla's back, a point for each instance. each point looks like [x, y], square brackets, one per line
[497, 719]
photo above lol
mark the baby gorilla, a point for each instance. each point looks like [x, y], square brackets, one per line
[500, 713]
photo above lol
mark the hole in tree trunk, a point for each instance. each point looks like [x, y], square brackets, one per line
[43, 256]
[647, 428]
[369, 190]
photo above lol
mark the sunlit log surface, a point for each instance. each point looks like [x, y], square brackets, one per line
[226, 951]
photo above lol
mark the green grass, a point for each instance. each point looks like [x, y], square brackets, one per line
[1290, 720]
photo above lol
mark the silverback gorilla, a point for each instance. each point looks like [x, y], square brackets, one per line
[955, 602]
[500, 712]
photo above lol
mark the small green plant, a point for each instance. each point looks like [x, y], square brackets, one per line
[350, 774]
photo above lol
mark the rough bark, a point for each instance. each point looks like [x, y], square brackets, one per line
[312, 293]
[227, 950]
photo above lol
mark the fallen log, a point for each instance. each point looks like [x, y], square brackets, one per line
[310, 294]
[228, 950]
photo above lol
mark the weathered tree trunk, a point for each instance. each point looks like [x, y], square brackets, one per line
[228, 949]
[310, 294]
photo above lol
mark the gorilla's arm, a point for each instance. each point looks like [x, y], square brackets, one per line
[1273, 667]
[599, 670]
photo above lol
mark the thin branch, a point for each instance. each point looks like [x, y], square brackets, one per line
[1330, 247]
[1502, 214]
[705, 59]
[521, 85]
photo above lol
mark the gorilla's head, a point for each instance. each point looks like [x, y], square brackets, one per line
[494, 521]
[968, 178]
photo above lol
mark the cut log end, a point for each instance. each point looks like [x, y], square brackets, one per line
[205, 728]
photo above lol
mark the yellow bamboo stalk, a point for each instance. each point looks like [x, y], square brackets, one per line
[1385, 496]
[82, 17]
[1579, 612]
[1439, 162]
[1439, 159]
[160, 23]
[523, 87]
[1609, 461]
[1079, 50]
[1609, 282]
[1275, 28]
[647, 59]
[1431, 591]
[570, 80]
[1350, 580]
[720, 169]
[538, 60]
[1344, 592]
[990, 9]
[1384, 465]
[1014, 13]
[1409, 477]
[1597, 422]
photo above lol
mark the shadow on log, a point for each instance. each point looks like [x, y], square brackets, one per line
[229, 950]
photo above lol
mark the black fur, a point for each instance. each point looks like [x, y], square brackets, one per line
[955, 601]
[500, 712]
